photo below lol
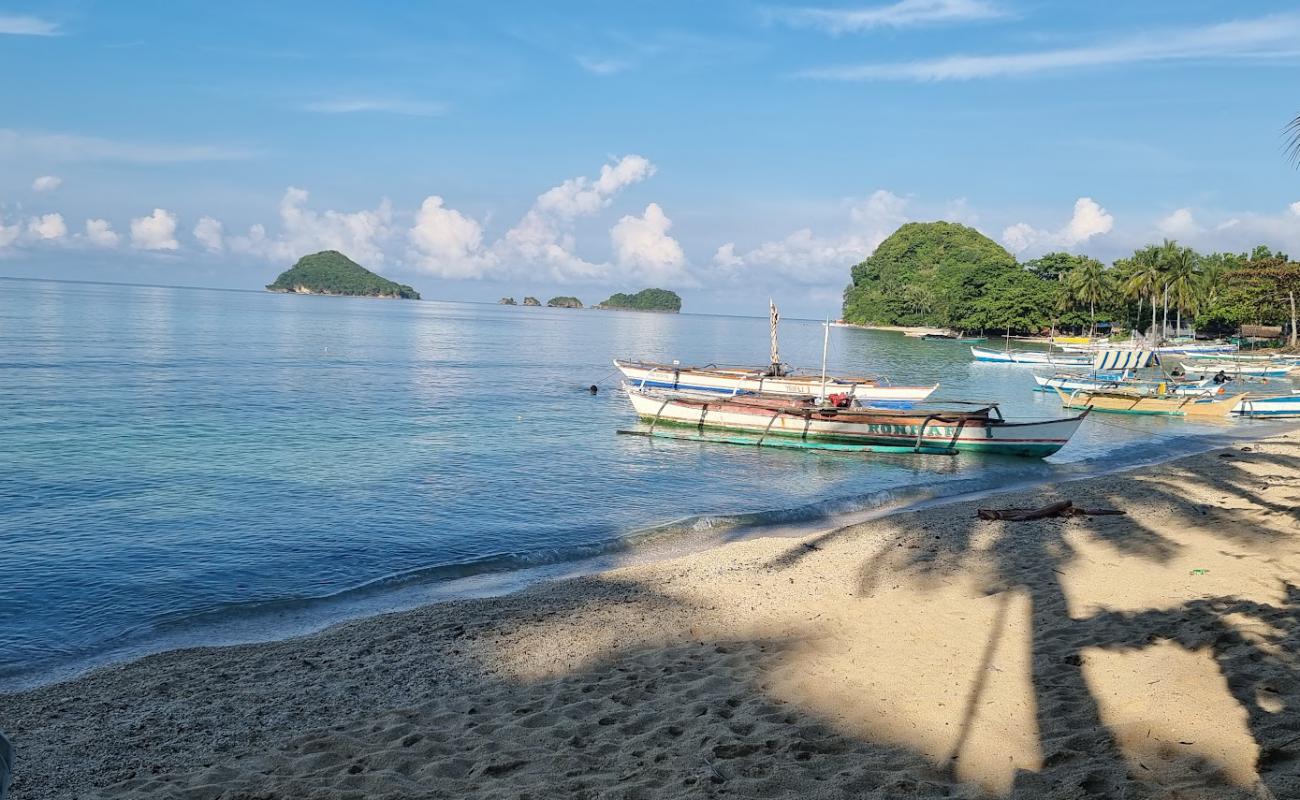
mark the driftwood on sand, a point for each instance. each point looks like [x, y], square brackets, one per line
[1065, 508]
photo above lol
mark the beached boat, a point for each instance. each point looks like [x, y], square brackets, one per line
[1236, 369]
[1117, 401]
[1282, 405]
[1201, 388]
[754, 380]
[1039, 357]
[919, 429]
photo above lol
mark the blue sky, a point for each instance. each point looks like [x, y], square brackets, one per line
[730, 150]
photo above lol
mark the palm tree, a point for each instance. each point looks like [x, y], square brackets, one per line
[1169, 251]
[1089, 283]
[1182, 273]
[1146, 280]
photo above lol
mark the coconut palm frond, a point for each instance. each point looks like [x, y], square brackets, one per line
[1292, 144]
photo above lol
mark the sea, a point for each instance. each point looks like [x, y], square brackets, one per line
[183, 467]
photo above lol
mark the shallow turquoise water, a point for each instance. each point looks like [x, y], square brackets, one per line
[176, 458]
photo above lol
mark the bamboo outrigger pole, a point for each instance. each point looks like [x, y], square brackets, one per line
[775, 369]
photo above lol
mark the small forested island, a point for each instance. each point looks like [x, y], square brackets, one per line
[332, 273]
[646, 300]
[506, 301]
[532, 301]
[949, 276]
[564, 302]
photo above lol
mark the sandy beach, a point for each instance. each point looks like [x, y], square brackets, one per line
[928, 654]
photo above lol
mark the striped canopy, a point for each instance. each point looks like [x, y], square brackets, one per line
[1123, 359]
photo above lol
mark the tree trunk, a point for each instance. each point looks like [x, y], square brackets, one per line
[1178, 326]
[1092, 312]
[1291, 296]
[1154, 340]
[1164, 322]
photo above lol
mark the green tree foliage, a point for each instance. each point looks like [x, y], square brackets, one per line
[564, 302]
[926, 273]
[646, 300]
[331, 272]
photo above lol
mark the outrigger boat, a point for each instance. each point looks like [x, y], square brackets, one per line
[757, 380]
[1282, 405]
[1238, 370]
[1101, 383]
[1039, 357]
[1271, 358]
[804, 422]
[1116, 401]
[776, 378]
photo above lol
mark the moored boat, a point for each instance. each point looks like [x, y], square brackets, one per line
[1040, 357]
[1068, 382]
[1237, 369]
[754, 380]
[931, 429]
[1117, 401]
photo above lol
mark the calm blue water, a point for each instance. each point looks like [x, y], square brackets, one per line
[177, 459]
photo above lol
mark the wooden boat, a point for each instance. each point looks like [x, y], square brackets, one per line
[1039, 357]
[1238, 370]
[1270, 358]
[1126, 402]
[1165, 349]
[753, 380]
[1282, 405]
[1101, 383]
[931, 429]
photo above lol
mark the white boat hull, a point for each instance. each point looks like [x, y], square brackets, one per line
[1238, 370]
[1070, 383]
[1041, 358]
[740, 381]
[1286, 405]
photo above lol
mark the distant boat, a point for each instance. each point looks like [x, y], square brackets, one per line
[1101, 383]
[1283, 405]
[1128, 402]
[1272, 358]
[1235, 369]
[921, 429]
[1039, 357]
[753, 380]
[1165, 349]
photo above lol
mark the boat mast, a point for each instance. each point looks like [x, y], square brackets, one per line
[826, 341]
[775, 369]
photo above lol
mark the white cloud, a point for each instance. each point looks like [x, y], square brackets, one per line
[1274, 35]
[377, 105]
[27, 26]
[808, 258]
[72, 147]
[642, 247]
[602, 66]
[46, 183]
[447, 243]
[9, 234]
[48, 227]
[209, 233]
[902, 14]
[100, 233]
[1179, 224]
[154, 232]
[1089, 220]
[544, 237]
[360, 234]
[726, 258]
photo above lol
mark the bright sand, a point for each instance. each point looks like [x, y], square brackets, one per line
[927, 654]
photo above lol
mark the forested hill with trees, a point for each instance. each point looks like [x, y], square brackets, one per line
[947, 275]
[331, 272]
[646, 300]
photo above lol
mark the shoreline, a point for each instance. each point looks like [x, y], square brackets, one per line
[846, 658]
[291, 618]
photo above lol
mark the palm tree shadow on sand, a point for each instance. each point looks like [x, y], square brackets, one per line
[1255, 645]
